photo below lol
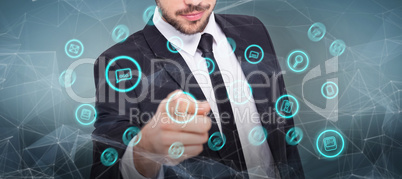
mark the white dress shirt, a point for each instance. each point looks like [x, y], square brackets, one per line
[259, 160]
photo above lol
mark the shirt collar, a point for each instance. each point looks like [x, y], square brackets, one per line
[190, 42]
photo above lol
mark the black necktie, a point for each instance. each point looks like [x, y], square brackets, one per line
[232, 149]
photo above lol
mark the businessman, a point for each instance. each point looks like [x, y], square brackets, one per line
[190, 76]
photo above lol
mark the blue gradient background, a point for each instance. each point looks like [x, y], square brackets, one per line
[39, 136]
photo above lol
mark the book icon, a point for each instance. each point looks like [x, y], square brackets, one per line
[86, 114]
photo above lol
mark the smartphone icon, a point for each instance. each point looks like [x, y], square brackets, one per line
[287, 106]
[330, 90]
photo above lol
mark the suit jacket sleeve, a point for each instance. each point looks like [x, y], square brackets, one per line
[110, 124]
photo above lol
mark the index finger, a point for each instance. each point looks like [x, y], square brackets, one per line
[182, 104]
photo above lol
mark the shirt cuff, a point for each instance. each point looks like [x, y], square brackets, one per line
[127, 167]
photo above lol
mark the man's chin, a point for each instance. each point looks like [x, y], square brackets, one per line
[193, 27]
[188, 27]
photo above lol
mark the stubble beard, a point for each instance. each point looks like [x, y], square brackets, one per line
[189, 29]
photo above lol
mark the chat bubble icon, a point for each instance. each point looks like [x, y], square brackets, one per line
[123, 75]
[254, 54]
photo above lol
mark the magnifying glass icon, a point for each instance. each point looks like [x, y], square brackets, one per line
[298, 59]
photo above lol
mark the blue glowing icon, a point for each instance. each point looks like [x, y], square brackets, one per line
[254, 51]
[182, 104]
[109, 157]
[222, 47]
[123, 58]
[132, 133]
[123, 75]
[67, 78]
[316, 32]
[298, 61]
[176, 150]
[172, 48]
[190, 99]
[329, 90]
[294, 136]
[148, 13]
[240, 92]
[232, 44]
[174, 44]
[216, 141]
[254, 54]
[330, 143]
[74, 48]
[287, 106]
[85, 114]
[337, 48]
[120, 33]
[210, 65]
[258, 135]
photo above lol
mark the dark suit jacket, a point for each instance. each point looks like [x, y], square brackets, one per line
[148, 48]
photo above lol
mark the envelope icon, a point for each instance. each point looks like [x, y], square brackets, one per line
[75, 49]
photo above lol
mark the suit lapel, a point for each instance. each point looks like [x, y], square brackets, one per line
[259, 93]
[275, 133]
[247, 68]
[174, 63]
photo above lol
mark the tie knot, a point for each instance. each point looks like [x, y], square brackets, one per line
[205, 44]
